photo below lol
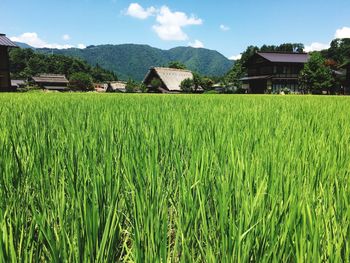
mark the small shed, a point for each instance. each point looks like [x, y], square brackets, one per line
[5, 79]
[54, 82]
[169, 78]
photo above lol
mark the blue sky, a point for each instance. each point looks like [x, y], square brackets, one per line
[228, 26]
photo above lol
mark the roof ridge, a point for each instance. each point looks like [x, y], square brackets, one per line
[49, 74]
[5, 41]
[282, 53]
[173, 69]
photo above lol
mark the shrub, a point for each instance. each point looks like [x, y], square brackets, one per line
[81, 82]
[131, 86]
[186, 85]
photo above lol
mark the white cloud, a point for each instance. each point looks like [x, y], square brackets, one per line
[32, 39]
[137, 11]
[236, 57]
[224, 28]
[58, 46]
[196, 44]
[343, 32]
[81, 46]
[66, 37]
[316, 46]
[170, 24]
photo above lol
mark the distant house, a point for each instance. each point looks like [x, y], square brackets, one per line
[169, 79]
[273, 72]
[100, 87]
[5, 80]
[18, 83]
[52, 82]
[117, 86]
[221, 88]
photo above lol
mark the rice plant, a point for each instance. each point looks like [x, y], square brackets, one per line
[153, 178]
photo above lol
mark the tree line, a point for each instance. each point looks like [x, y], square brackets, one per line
[26, 63]
[318, 73]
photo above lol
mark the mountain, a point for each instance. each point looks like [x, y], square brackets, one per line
[133, 61]
[23, 45]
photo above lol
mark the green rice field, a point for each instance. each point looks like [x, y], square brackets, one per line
[174, 178]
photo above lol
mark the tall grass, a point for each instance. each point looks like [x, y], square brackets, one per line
[151, 178]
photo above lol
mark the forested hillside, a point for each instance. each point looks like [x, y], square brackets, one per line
[26, 63]
[133, 61]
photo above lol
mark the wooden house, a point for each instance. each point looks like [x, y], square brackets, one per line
[5, 80]
[271, 72]
[169, 79]
[347, 80]
[53, 82]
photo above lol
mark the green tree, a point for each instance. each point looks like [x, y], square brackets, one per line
[339, 51]
[187, 85]
[177, 65]
[197, 81]
[316, 76]
[25, 63]
[235, 74]
[207, 83]
[81, 81]
[143, 88]
[19, 60]
[101, 75]
[36, 65]
[131, 86]
[248, 53]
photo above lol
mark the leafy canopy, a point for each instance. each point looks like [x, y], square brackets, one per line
[316, 75]
[25, 63]
[187, 85]
[81, 81]
[177, 65]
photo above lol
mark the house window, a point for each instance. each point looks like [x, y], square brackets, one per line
[265, 70]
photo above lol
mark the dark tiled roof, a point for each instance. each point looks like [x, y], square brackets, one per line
[285, 57]
[256, 77]
[51, 78]
[55, 87]
[4, 41]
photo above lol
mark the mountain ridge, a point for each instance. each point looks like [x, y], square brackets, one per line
[134, 60]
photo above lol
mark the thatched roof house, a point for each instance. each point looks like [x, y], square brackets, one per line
[51, 82]
[5, 81]
[169, 79]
